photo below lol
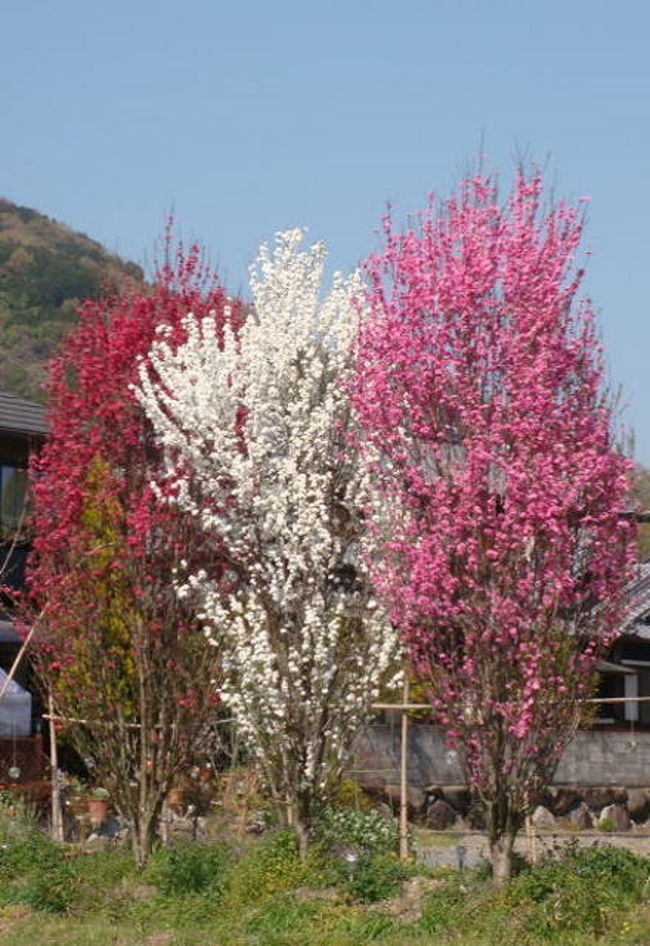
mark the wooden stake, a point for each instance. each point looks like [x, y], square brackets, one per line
[403, 812]
[57, 812]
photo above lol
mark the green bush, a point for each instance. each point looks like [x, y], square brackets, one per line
[191, 868]
[367, 832]
[374, 878]
[349, 794]
[46, 876]
[53, 889]
[580, 892]
[270, 866]
[24, 848]
[583, 892]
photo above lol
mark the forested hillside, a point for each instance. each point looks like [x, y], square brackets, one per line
[45, 269]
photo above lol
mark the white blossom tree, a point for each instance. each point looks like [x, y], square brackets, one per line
[256, 427]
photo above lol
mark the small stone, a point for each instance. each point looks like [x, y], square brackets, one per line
[542, 818]
[440, 815]
[614, 818]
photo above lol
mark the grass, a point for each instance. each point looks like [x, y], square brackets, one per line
[261, 894]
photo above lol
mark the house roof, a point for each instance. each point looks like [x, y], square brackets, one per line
[635, 622]
[8, 632]
[21, 417]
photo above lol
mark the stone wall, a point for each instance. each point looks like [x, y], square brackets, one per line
[603, 779]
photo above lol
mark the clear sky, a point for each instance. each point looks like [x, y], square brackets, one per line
[247, 117]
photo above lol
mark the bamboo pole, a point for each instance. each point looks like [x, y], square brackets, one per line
[405, 705]
[57, 812]
[403, 811]
[19, 656]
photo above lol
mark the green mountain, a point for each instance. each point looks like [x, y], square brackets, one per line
[45, 270]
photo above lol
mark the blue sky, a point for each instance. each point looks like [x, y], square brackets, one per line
[247, 117]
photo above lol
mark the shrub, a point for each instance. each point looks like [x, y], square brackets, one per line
[350, 794]
[375, 878]
[368, 832]
[578, 892]
[270, 866]
[24, 847]
[191, 868]
[582, 892]
[53, 888]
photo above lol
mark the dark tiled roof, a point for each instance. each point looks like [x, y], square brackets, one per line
[639, 593]
[18, 416]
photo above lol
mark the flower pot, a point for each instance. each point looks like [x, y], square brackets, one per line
[97, 811]
[176, 798]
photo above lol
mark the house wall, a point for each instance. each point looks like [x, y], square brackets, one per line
[597, 757]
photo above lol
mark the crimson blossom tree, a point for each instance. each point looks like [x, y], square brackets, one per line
[121, 653]
[479, 387]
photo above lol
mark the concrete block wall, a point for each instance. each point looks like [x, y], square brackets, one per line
[596, 757]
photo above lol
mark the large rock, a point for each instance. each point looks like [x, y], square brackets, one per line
[373, 784]
[476, 816]
[580, 817]
[562, 799]
[599, 798]
[614, 818]
[542, 818]
[440, 815]
[384, 810]
[638, 803]
[458, 797]
[433, 791]
[415, 798]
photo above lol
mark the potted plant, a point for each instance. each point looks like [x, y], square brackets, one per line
[176, 798]
[98, 805]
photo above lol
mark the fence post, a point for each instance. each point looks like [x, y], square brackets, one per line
[57, 814]
[403, 811]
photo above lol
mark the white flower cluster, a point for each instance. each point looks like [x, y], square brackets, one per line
[255, 428]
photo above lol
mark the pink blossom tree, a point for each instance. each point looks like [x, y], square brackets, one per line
[479, 387]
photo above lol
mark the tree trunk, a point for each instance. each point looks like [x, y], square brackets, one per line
[501, 858]
[303, 824]
[143, 836]
[505, 813]
[139, 846]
